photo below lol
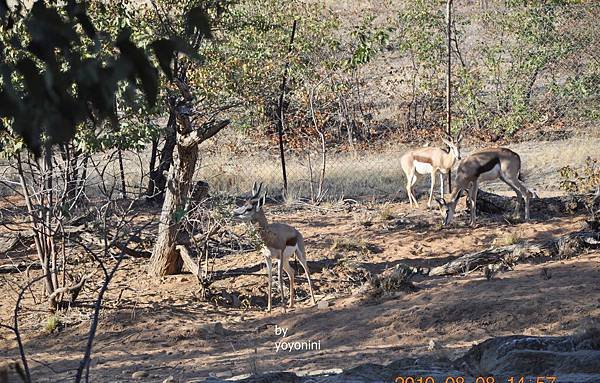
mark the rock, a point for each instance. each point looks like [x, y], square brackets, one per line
[279, 377]
[139, 374]
[432, 345]
[212, 328]
[331, 371]
[322, 305]
[531, 355]
[222, 374]
[10, 371]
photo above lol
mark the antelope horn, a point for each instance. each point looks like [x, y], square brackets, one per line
[256, 192]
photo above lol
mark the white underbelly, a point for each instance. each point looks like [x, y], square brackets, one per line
[490, 175]
[422, 167]
[275, 254]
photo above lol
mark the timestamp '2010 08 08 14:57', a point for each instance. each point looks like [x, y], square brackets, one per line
[479, 379]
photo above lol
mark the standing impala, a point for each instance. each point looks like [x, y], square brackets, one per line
[280, 241]
[429, 161]
[485, 165]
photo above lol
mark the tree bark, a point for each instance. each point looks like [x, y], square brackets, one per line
[165, 259]
[567, 246]
[551, 206]
[158, 181]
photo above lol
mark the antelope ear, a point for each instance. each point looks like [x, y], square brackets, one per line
[445, 141]
[254, 188]
[440, 201]
[459, 138]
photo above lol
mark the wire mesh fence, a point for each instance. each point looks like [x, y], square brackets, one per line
[514, 67]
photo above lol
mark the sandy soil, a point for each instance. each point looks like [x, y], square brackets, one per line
[161, 326]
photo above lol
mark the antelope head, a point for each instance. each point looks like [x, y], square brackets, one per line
[254, 204]
[453, 144]
[447, 209]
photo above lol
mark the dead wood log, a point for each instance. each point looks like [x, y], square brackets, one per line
[8, 243]
[204, 280]
[566, 246]
[188, 262]
[73, 289]
[552, 206]
[133, 252]
[535, 355]
[19, 267]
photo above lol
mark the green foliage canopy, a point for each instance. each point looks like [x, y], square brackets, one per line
[58, 70]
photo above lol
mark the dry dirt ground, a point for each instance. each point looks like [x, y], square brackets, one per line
[163, 328]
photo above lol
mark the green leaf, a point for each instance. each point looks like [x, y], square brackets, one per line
[48, 27]
[164, 51]
[198, 21]
[142, 67]
[4, 10]
[34, 83]
[77, 11]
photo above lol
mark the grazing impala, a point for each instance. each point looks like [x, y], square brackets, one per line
[280, 241]
[485, 165]
[429, 161]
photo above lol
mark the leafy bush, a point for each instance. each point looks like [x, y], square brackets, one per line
[584, 180]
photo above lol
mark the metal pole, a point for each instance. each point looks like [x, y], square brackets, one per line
[280, 110]
[448, 76]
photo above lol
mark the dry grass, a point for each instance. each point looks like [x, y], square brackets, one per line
[507, 239]
[386, 212]
[379, 173]
[348, 244]
[348, 175]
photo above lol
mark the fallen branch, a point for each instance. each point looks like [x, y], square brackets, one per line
[73, 289]
[205, 280]
[8, 244]
[134, 253]
[19, 267]
[187, 260]
[552, 206]
[566, 246]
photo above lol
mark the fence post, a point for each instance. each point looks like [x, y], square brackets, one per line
[122, 174]
[448, 77]
[280, 110]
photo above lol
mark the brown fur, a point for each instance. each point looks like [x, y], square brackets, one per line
[441, 161]
[280, 241]
[479, 167]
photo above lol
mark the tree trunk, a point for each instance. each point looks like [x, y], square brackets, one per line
[158, 181]
[165, 258]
